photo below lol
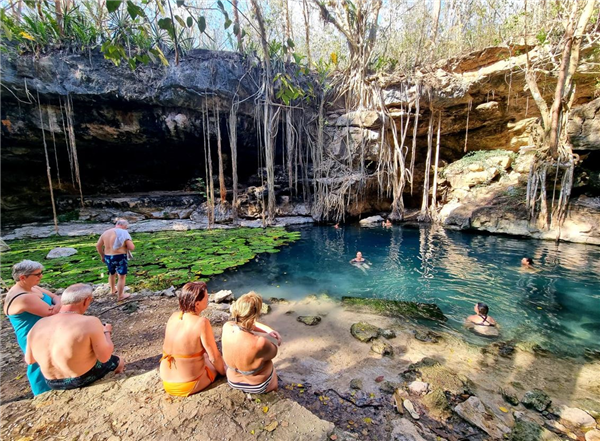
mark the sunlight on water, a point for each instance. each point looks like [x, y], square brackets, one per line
[556, 306]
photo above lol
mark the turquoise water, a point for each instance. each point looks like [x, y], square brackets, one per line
[556, 306]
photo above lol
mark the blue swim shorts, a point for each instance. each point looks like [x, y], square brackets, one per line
[116, 264]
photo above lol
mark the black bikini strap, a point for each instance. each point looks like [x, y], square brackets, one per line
[11, 300]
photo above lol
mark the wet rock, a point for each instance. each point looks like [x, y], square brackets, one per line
[371, 220]
[290, 312]
[364, 331]
[387, 333]
[510, 396]
[394, 308]
[404, 430]
[536, 399]
[476, 413]
[388, 387]
[215, 317]
[418, 388]
[591, 354]
[221, 306]
[575, 419]
[356, 383]
[438, 404]
[61, 252]
[590, 406]
[501, 348]
[309, 320]
[265, 309]
[224, 295]
[169, 292]
[410, 408]
[438, 377]
[382, 347]
[427, 336]
[527, 430]
[276, 300]
[592, 435]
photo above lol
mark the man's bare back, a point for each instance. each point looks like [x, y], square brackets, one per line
[71, 349]
[108, 239]
[63, 345]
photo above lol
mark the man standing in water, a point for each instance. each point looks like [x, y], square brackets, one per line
[113, 246]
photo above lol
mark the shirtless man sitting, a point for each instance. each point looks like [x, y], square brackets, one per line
[113, 247]
[71, 349]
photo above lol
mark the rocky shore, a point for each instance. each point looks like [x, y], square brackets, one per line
[344, 375]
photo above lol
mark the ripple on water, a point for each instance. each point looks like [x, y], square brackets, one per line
[557, 305]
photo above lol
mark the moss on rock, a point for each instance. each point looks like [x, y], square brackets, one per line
[395, 308]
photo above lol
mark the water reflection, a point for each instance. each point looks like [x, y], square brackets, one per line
[557, 305]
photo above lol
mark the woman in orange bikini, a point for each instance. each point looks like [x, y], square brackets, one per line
[191, 359]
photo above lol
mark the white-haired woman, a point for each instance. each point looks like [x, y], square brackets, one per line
[24, 305]
[249, 348]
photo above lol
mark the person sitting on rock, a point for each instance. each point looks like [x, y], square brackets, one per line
[26, 303]
[191, 359]
[73, 350]
[481, 322]
[249, 348]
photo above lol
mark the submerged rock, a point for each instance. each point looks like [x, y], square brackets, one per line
[427, 336]
[394, 308]
[476, 413]
[356, 383]
[536, 399]
[382, 347]
[438, 376]
[265, 309]
[527, 430]
[309, 320]
[61, 252]
[364, 331]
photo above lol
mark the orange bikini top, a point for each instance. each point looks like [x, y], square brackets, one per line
[171, 357]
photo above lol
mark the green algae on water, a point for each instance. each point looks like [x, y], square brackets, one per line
[161, 259]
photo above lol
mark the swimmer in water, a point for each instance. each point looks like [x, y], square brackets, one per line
[481, 322]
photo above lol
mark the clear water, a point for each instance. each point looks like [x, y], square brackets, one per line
[556, 306]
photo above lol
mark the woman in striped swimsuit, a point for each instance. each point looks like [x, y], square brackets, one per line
[249, 348]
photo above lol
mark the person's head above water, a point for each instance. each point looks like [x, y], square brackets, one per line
[359, 255]
[527, 261]
[482, 309]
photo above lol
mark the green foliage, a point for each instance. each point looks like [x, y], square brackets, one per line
[68, 216]
[161, 259]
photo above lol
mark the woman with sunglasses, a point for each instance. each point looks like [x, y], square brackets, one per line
[24, 305]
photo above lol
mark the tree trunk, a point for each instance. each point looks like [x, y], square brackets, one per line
[236, 22]
[306, 12]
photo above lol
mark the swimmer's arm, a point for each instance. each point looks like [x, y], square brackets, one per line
[207, 339]
[129, 245]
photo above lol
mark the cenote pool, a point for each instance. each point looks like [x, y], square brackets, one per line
[557, 306]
